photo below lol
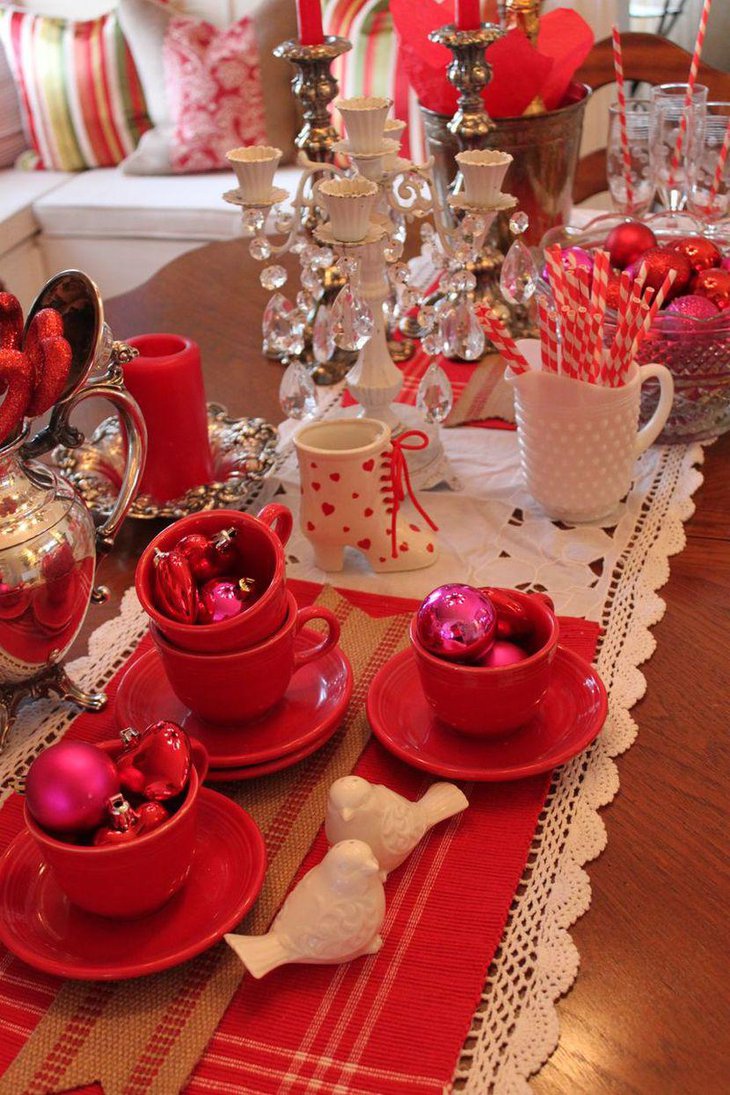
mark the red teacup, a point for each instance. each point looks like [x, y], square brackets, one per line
[126, 880]
[238, 686]
[483, 701]
[262, 550]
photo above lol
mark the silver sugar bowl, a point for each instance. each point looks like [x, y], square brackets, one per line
[49, 545]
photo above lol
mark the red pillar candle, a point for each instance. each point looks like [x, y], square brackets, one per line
[468, 16]
[167, 382]
[309, 22]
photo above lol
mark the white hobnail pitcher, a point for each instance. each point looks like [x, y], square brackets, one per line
[579, 442]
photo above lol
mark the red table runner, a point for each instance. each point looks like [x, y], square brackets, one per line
[395, 1022]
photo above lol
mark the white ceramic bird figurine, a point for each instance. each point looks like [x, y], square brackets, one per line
[390, 824]
[334, 914]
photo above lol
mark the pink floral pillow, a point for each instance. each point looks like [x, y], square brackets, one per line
[213, 87]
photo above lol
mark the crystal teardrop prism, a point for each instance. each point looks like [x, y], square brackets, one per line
[276, 325]
[461, 332]
[323, 339]
[351, 319]
[435, 396]
[297, 394]
[519, 275]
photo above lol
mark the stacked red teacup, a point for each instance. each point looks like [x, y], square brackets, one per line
[232, 659]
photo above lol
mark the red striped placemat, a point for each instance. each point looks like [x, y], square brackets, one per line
[392, 1023]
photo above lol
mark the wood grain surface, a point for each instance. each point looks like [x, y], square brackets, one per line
[651, 1008]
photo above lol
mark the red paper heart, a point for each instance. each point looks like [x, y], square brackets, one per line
[16, 377]
[518, 74]
[566, 38]
[157, 765]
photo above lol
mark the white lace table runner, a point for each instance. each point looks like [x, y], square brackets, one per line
[492, 533]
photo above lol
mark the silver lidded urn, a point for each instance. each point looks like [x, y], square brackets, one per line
[49, 545]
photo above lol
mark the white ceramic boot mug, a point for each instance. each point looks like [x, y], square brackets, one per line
[354, 493]
[579, 442]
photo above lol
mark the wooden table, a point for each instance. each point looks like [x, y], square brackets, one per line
[650, 1010]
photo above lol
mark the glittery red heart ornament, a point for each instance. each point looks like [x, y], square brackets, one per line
[16, 377]
[51, 362]
[11, 322]
[156, 763]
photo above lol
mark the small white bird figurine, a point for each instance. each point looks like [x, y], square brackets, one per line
[334, 914]
[390, 824]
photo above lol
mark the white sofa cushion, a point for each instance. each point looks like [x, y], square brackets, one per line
[107, 204]
[18, 191]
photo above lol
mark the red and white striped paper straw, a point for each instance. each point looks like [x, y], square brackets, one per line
[497, 333]
[691, 81]
[719, 170]
[548, 322]
[618, 66]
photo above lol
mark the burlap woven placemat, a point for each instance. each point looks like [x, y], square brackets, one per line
[146, 1035]
[486, 396]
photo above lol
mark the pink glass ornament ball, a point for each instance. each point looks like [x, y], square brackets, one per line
[221, 599]
[68, 786]
[457, 622]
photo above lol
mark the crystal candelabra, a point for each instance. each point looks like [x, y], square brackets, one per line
[366, 204]
[504, 281]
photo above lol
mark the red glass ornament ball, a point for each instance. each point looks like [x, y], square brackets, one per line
[702, 253]
[658, 262]
[503, 653]
[627, 241]
[715, 285]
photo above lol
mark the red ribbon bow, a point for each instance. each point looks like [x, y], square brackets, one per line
[400, 480]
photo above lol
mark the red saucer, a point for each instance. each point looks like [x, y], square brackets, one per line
[39, 925]
[315, 701]
[252, 771]
[570, 717]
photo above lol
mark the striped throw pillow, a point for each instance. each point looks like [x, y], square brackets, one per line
[81, 98]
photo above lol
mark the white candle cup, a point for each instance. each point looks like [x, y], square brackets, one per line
[394, 129]
[349, 203]
[483, 173]
[255, 167]
[364, 118]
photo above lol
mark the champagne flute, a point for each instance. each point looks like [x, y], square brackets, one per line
[640, 176]
[709, 168]
[671, 121]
